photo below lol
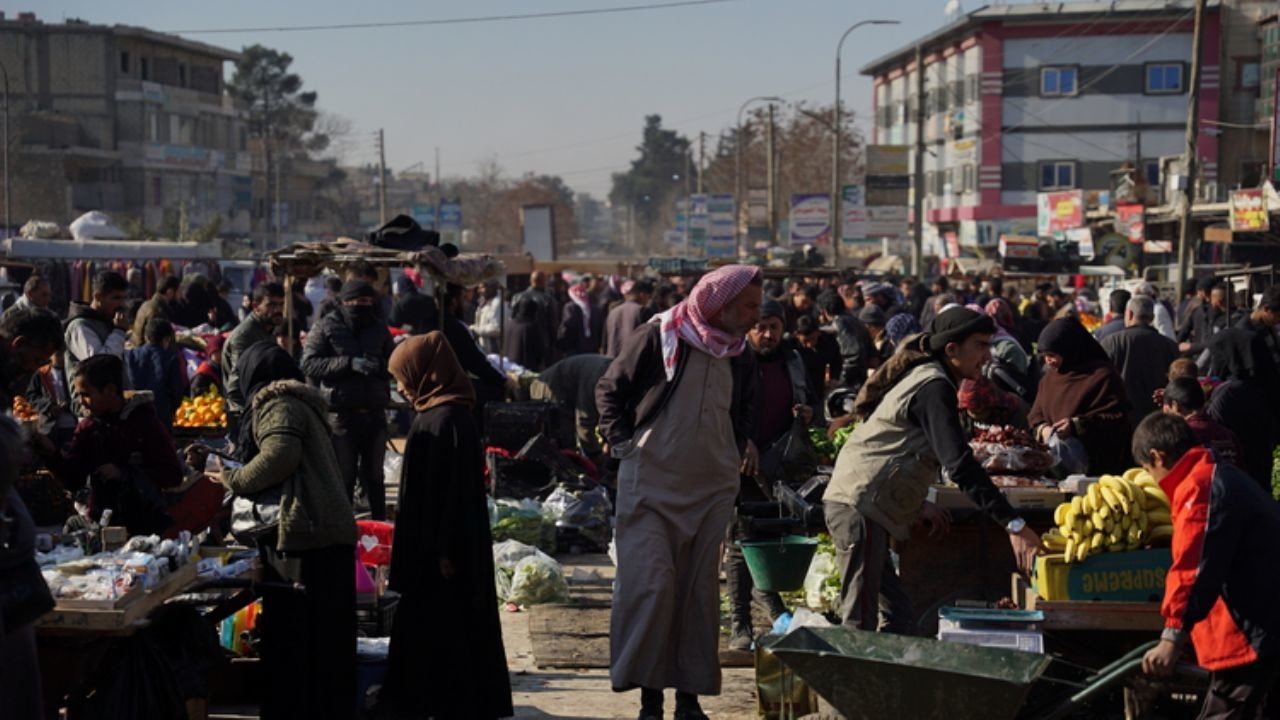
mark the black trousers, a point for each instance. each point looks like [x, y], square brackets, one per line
[1247, 692]
[871, 595]
[360, 443]
[309, 635]
[742, 590]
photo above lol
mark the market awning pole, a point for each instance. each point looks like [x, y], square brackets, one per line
[1193, 129]
[288, 311]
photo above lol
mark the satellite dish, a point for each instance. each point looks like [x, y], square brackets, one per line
[952, 10]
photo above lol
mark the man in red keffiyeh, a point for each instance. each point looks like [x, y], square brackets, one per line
[676, 408]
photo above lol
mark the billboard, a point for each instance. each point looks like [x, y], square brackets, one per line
[1249, 211]
[810, 218]
[721, 226]
[538, 228]
[1058, 212]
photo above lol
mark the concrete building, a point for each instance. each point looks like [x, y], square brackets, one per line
[1022, 99]
[126, 120]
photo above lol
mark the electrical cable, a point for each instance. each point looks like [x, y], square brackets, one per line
[457, 21]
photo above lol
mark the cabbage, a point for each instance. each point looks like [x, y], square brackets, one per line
[538, 579]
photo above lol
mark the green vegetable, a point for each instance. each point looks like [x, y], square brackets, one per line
[538, 580]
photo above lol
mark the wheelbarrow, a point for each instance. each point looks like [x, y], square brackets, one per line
[876, 675]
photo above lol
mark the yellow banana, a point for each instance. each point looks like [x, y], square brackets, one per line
[1060, 512]
[1095, 542]
[1143, 522]
[1156, 494]
[1094, 494]
[1077, 504]
[1162, 532]
[1132, 474]
[1117, 501]
[1158, 517]
[1104, 512]
[1082, 551]
[1069, 551]
[1126, 522]
[1109, 524]
[1088, 528]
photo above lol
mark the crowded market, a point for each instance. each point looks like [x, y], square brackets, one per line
[337, 496]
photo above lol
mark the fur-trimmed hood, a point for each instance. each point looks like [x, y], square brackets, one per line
[293, 388]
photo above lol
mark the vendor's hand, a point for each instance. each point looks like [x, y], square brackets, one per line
[216, 476]
[1026, 545]
[121, 320]
[109, 472]
[804, 412]
[750, 460]
[1158, 397]
[1184, 347]
[937, 518]
[1063, 428]
[446, 568]
[1044, 433]
[1159, 660]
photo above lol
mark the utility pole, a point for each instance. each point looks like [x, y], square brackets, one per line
[8, 217]
[439, 185]
[771, 172]
[382, 178]
[702, 158]
[279, 208]
[1193, 130]
[917, 200]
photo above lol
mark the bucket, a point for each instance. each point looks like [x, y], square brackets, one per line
[779, 565]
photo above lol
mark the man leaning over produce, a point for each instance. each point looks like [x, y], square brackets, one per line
[1222, 587]
[883, 474]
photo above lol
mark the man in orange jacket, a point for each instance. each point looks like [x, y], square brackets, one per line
[1222, 588]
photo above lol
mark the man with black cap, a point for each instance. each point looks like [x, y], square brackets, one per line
[911, 432]
[881, 295]
[346, 356]
[1205, 319]
[784, 394]
[852, 339]
[412, 311]
[875, 319]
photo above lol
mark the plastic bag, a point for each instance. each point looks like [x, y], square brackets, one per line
[553, 508]
[538, 580]
[95, 225]
[502, 583]
[804, 617]
[1069, 454]
[522, 520]
[822, 583]
[508, 553]
[392, 462]
[589, 513]
[791, 457]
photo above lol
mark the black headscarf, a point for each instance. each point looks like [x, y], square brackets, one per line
[258, 366]
[1068, 338]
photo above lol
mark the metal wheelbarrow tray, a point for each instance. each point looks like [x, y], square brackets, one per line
[877, 676]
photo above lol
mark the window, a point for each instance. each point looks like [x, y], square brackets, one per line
[124, 62]
[182, 75]
[948, 181]
[1058, 175]
[1164, 79]
[971, 87]
[1151, 171]
[957, 93]
[968, 178]
[1248, 74]
[1058, 81]
[928, 182]
[144, 65]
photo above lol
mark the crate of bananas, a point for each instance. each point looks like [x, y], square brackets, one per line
[1117, 513]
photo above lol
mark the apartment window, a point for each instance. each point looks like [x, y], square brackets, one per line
[971, 87]
[124, 62]
[968, 178]
[911, 107]
[144, 66]
[1058, 175]
[1151, 171]
[1059, 81]
[182, 75]
[957, 93]
[1164, 78]
[1248, 74]
[948, 181]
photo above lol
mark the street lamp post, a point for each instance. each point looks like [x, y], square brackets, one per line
[8, 219]
[837, 221]
[737, 167]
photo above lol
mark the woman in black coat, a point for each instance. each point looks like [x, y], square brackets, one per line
[447, 658]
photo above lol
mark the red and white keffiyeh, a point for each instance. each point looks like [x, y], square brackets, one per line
[689, 320]
[580, 297]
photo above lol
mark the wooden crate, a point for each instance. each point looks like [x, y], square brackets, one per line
[120, 620]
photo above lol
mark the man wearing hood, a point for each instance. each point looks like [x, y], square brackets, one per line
[28, 339]
[884, 471]
[99, 328]
[346, 356]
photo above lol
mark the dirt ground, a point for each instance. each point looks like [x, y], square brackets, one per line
[562, 693]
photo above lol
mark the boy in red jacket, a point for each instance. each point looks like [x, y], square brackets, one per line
[1222, 588]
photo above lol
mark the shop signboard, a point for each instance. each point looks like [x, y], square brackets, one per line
[853, 224]
[1249, 211]
[425, 216]
[1130, 222]
[1058, 212]
[810, 219]
[888, 222]
[1083, 237]
[450, 214]
[721, 238]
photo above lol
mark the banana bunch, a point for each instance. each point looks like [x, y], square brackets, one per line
[1117, 513]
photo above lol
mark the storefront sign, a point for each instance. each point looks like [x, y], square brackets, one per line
[853, 226]
[1249, 211]
[810, 219]
[1130, 222]
[721, 238]
[1058, 212]
[890, 222]
[1084, 238]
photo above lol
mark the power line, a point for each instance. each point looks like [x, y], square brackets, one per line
[459, 21]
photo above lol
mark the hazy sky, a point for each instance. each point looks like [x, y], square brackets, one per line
[561, 96]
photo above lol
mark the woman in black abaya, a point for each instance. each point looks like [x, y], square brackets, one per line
[447, 659]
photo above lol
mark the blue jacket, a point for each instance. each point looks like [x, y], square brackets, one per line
[151, 367]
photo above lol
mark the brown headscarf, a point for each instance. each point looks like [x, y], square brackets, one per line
[429, 371]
